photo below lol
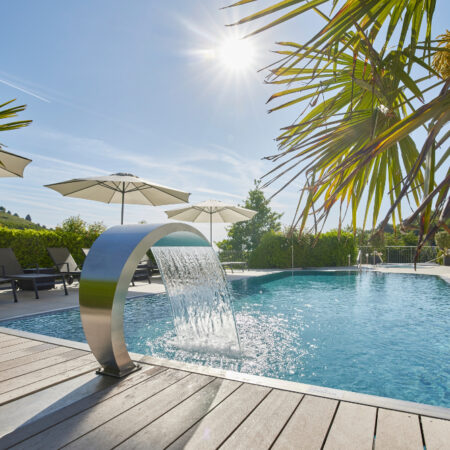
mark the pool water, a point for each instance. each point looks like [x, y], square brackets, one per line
[374, 333]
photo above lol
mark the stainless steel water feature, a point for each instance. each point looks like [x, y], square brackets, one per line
[105, 279]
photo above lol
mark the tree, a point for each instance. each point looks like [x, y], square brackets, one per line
[96, 228]
[28, 217]
[245, 236]
[2, 209]
[360, 95]
[73, 224]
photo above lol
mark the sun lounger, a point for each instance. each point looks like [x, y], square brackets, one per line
[64, 262]
[11, 269]
[230, 264]
[143, 270]
[12, 283]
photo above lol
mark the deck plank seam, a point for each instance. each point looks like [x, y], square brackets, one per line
[12, 350]
[330, 425]
[88, 369]
[164, 413]
[12, 343]
[28, 362]
[4, 335]
[41, 368]
[287, 421]
[7, 337]
[45, 428]
[422, 433]
[244, 418]
[375, 429]
[45, 378]
[204, 415]
[124, 411]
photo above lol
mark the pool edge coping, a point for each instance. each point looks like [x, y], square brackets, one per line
[438, 412]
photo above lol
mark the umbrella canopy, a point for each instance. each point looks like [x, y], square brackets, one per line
[12, 165]
[120, 188]
[212, 211]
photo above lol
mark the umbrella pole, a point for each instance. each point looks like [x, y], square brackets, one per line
[123, 202]
[210, 228]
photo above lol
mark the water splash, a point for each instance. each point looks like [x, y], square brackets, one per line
[197, 289]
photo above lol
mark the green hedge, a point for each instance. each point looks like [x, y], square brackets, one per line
[274, 251]
[30, 246]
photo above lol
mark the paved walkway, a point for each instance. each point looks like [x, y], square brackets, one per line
[55, 298]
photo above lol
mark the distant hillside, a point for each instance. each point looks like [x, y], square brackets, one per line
[11, 221]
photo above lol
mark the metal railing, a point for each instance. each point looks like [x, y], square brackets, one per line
[396, 254]
[359, 260]
[232, 255]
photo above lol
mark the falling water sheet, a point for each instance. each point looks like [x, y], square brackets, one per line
[198, 292]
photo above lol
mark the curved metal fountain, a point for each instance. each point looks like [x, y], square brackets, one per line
[106, 276]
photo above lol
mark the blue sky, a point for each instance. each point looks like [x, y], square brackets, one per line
[113, 88]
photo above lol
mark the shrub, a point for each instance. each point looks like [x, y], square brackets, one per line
[274, 251]
[30, 246]
[443, 240]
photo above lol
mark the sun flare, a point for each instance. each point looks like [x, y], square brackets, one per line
[236, 54]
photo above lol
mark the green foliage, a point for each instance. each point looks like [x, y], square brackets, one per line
[7, 112]
[9, 220]
[76, 225]
[443, 240]
[30, 246]
[330, 250]
[245, 236]
[359, 86]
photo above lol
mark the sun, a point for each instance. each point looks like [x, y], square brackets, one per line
[236, 54]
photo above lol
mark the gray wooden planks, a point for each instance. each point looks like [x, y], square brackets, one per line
[436, 433]
[80, 424]
[6, 337]
[18, 353]
[85, 392]
[133, 420]
[46, 382]
[308, 425]
[27, 359]
[19, 346]
[216, 426]
[397, 431]
[46, 372]
[9, 342]
[163, 431]
[34, 366]
[353, 427]
[262, 426]
[183, 410]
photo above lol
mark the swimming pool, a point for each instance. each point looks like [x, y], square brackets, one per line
[381, 334]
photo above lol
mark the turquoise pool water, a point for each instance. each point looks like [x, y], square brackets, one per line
[381, 334]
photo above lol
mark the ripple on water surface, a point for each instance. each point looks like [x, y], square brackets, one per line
[381, 334]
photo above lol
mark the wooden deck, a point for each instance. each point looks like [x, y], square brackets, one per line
[50, 398]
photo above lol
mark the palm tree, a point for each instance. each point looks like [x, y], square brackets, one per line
[7, 113]
[364, 83]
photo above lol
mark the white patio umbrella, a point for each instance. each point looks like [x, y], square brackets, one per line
[120, 188]
[212, 211]
[12, 165]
